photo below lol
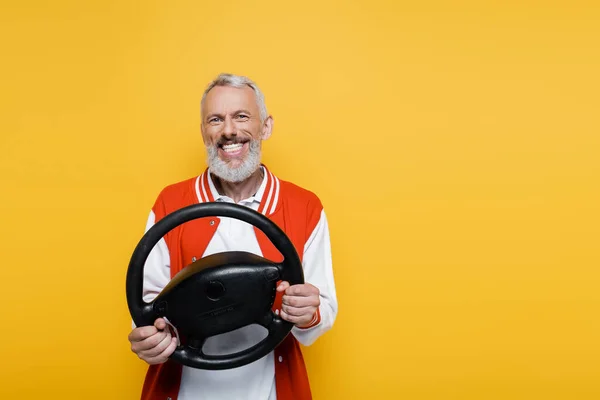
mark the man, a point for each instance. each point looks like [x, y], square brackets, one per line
[234, 124]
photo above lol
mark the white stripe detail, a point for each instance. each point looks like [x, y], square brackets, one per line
[198, 190]
[204, 187]
[266, 205]
[276, 196]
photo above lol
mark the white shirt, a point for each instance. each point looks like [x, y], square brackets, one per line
[255, 381]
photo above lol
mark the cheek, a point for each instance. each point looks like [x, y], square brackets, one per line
[211, 136]
[253, 129]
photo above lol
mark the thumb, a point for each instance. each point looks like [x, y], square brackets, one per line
[160, 324]
[283, 286]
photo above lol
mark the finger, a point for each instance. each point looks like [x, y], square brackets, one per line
[141, 333]
[156, 350]
[299, 311]
[162, 357]
[302, 290]
[300, 301]
[149, 342]
[283, 286]
[288, 317]
[294, 319]
[160, 324]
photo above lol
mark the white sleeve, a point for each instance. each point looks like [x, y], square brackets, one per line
[157, 269]
[318, 271]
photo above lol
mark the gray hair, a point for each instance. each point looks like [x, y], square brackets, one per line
[238, 82]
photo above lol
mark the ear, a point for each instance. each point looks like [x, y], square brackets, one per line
[267, 128]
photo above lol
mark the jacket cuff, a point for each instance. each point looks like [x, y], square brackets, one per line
[315, 321]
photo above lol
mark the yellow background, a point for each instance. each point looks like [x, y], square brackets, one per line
[455, 146]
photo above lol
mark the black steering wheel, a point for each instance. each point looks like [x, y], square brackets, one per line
[218, 293]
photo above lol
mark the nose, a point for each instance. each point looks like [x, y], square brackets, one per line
[229, 127]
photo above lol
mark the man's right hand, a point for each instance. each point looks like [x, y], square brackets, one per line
[153, 344]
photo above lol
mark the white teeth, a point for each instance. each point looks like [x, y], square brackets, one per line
[233, 147]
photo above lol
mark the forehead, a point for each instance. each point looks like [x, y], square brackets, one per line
[225, 99]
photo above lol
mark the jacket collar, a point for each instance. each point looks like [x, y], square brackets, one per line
[267, 194]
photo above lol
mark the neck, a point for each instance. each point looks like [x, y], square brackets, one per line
[239, 190]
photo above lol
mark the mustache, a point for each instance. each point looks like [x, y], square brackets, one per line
[232, 140]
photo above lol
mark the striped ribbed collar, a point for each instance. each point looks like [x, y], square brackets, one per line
[267, 195]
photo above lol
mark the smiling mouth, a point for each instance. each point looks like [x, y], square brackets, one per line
[230, 147]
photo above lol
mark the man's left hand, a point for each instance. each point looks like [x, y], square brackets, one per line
[299, 303]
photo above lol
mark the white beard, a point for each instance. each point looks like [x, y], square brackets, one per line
[222, 169]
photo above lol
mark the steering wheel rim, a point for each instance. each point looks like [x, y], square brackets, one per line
[144, 314]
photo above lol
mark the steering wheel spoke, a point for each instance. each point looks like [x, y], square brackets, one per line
[196, 343]
[272, 322]
[266, 320]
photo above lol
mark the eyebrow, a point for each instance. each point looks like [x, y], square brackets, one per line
[241, 111]
[209, 116]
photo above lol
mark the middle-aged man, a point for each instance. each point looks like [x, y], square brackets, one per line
[234, 124]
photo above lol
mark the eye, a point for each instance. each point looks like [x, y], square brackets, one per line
[242, 116]
[213, 120]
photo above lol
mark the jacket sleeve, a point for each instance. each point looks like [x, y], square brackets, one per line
[157, 270]
[318, 271]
